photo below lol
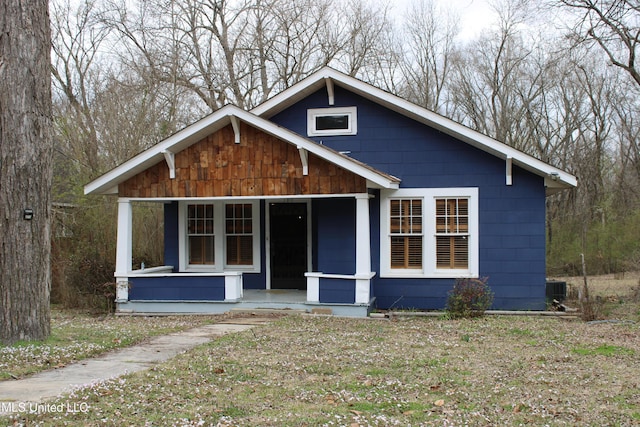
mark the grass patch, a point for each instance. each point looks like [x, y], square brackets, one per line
[325, 371]
[603, 350]
[77, 335]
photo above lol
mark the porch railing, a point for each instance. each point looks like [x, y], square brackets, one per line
[233, 287]
[351, 288]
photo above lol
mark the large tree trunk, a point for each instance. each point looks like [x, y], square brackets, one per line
[25, 169]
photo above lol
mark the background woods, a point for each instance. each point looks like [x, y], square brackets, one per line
[126, 74]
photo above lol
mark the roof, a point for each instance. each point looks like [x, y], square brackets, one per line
[555, 179]
[108, 183]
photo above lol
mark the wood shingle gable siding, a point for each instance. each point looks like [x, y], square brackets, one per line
[261, 165]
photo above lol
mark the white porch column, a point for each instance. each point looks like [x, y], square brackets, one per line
[363, 249]
[123, 250]
[233, 286]
[313, 287]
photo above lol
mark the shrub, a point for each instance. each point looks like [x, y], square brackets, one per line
[469, 298]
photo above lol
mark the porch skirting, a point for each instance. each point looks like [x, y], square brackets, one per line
[158, 290]
[151, 308]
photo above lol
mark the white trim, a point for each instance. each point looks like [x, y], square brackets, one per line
[267, 234]
[350, 112]
[509, 171]
[363, 235]
[171, 162]
[122, 290]
[191, 274]
[233, 287]
[124, 247]
[428, 196]
[315, 81]
[220, 264]
[304, 159]
[236, 128]
[320, 275]
[276, 198]
[330, 91]
[313, 288]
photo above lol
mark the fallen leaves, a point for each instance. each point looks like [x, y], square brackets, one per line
[305, 371]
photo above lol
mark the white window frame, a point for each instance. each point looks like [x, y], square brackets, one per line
[429, 267]
[220, 237]
[350, 112]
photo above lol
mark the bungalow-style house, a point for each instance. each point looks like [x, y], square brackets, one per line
[336, 197]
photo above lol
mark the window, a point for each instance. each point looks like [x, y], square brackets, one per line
[239, 232]
[200, 234]
[220, 236]
[452, 233]
[406, 233]
[429, 233]
[332, 121]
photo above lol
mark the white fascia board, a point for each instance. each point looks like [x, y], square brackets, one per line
[175, 143]
[288, 97]
[459, 131]
[294, 93]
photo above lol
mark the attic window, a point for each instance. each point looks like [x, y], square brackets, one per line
[332, 121]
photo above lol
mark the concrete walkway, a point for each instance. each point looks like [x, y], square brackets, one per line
[49, 384]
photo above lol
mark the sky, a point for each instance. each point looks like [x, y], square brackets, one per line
[475, 15]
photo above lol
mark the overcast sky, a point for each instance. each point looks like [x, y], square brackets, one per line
[474, 14]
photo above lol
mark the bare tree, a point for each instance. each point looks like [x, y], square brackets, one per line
[614, 25]
[76, 40]
[430, 49]
[25, 170]
[490, 79]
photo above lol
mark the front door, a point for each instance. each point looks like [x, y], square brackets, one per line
[288, 245]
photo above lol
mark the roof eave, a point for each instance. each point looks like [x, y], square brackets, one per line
[108, 183]
[474, 138]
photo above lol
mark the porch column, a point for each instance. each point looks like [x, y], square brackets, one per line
[124, 263]
[363, 249]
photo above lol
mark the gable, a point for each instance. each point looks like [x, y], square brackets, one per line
[260, 165]
[328, 82]
[165, 150]
[419, 155]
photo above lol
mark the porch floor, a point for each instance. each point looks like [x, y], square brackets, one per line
[274, 296]
[253, 299]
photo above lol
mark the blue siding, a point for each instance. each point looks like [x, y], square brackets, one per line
[335, 235]
[171, 257]
[512, 218]
[171, 251]
[337, 291]
[177, 288]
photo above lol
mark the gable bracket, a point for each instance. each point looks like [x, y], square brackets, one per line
[329, 83]
[236, 128]
[509, 170]
[170, 157]
[304, 158]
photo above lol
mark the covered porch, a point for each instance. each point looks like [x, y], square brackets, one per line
[311, 253]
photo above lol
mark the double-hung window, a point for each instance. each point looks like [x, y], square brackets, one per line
[406, 237]
[452, 233]
[429, 232]
[218, 236]
[200, 234]
[239, 233]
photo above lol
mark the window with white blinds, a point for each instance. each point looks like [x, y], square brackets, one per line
[429, 232]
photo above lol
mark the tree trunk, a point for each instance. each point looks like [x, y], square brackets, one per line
[25, 169]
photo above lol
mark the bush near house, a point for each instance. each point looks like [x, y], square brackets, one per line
[469, 298]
